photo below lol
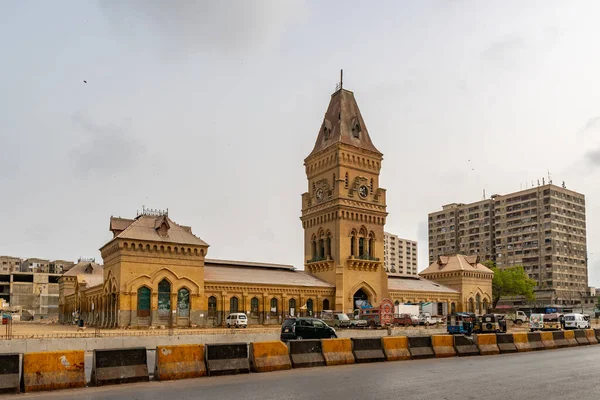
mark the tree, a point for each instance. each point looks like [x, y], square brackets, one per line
[510, 281]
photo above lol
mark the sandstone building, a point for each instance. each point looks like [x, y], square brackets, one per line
[156, 272]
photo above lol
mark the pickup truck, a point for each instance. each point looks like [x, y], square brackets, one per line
[426, 319]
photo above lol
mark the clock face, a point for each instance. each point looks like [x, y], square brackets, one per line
[319, 194]
[363, 191]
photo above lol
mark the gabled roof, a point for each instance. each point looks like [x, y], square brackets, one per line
[343, 123]
[147, 227]
[457, 262]
[410, 284]
[85, 268]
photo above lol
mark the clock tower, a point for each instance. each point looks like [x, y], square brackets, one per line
[344, 209]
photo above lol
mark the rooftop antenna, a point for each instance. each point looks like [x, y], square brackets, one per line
[339, 85]
[543, 181]
[564, 185]
[484, 194]
[549, 177]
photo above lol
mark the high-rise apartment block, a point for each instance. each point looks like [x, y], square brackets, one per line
[542, 228]
[400, 256]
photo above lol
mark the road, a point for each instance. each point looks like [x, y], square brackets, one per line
[552, 374]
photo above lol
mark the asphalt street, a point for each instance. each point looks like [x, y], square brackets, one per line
[551, 374]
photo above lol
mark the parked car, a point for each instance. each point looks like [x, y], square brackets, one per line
[239, 320]
[577, 321]
[405, 320]
[357, 323]
[426, 319]
[338, 320]
[306, 328]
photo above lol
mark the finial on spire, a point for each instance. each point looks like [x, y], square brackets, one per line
[341, 79]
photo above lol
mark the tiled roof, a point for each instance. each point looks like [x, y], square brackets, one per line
[342, 116]
[253, 273]
[144, 228]
[416, 285]
[81, 267]
[213, 262]
[90, 280]
[457, 262]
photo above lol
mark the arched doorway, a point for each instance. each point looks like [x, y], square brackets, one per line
[360, 299]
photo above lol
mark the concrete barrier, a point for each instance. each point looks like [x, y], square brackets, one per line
[9, 373]
[337, 351]
[581, 337]
[227, 359]
[395, 348]
[114, 366]
[443, 346]
[269, 356]
[597, 331]
[367, 350]
[465, 346]
[570, 338]
[179, 362]
[53, 370]
[591, 335]
[420, 347]
[487, 344]
[506, 343]
[521, 341]
[547, 339]
[535, 341]
[306, 353]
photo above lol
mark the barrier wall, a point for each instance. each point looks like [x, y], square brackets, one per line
[179, 362]
[506, 343]
[53, 370]
[420, 347]
[443, 346]
[535, 341]
[269, 356]
[114, 366]
[547, 339]
[227, 359]
[9, 373]
[487, 344]
[465, 346]
[581, 337]
[570, 338]
[367, 350]
[597, 331]
[306, 353]
[337, 351]
[395, 348]
[591, 336]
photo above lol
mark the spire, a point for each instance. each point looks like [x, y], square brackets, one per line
[343, 123]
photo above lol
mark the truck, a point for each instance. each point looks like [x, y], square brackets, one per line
[518, 318]
[382, 315]
[411, 309]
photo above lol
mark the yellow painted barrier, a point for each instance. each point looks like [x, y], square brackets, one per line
[521, 341]
[443, 346]
[53, 370]
[591, 335]
[395, 348]
[337, 351]
[548, 340]
[570, 338]
[269, 356]
[179, 362]
[487, 344]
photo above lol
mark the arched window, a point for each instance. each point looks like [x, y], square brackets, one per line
[233, 305]
[452, 308]
[328, 245]
[322, 247]
[183, 303]
[353, 244]
[309, 307]
[371, 245]
[361, 246]
[274, 307]
[164, 299]
[254, 307]
[292, 307]
[212, 306]
[326, 304]
[478, 304]
[471, 305]
[313, 244]
[143, 302]
[485, 306]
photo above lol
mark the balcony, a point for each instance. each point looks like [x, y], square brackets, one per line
[319, 264]
[370, 264]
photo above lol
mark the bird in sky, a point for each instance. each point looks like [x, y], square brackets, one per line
[84, 81]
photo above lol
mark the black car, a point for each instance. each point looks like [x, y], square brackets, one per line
[306, 328]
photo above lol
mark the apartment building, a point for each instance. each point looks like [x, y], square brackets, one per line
[400, 256]
[35, 265]
[60, 266]
[9, 264]
[541, 228]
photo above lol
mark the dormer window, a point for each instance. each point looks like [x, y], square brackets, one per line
[326, 129]
[355, 124]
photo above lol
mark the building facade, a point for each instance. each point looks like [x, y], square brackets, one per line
[541, 228]
[399, 256]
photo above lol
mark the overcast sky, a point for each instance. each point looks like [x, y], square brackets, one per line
[209, 109]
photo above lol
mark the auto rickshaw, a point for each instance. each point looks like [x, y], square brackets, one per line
[552, 322]
[462, 323]
[495, 323]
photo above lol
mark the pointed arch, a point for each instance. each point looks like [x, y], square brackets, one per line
[366, 288]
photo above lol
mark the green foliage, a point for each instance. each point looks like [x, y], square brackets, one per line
[511, 281]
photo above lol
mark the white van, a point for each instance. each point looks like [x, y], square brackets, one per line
[239, 320]
[577, 321]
